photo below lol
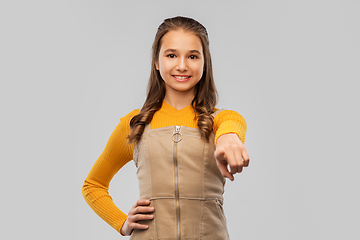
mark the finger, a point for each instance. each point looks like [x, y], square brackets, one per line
[239, 160]
[135, 225]
[233, 164]
[139, 217]
[246, 158]
[240, 168]
[224, 171]
[142, 202]
[141, 209]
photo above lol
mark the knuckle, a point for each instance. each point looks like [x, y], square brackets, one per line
[131, 220]
[233, 165]
[136, 218]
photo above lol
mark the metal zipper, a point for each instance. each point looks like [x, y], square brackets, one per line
[176, 137]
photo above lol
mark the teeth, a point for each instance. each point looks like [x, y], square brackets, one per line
[179, 77]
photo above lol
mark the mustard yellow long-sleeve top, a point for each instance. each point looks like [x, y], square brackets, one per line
[117, 153]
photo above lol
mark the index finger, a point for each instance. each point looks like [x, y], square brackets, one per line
[246, 158]
[233, 164]
[142, 202]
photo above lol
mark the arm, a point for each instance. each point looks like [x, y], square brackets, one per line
[230, 128]
[95, 189]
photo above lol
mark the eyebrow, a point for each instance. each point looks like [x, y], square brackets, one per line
[174, 50]
[195, 51]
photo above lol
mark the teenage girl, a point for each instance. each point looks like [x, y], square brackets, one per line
[182, 145]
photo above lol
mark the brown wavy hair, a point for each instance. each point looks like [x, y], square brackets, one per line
[206, 95]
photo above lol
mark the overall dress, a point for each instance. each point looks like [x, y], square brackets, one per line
[177, 172]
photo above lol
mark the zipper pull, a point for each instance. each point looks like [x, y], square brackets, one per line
[176, 137]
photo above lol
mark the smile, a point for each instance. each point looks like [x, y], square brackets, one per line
[181, 78]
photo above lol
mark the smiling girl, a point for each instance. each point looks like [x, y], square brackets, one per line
[182, 146]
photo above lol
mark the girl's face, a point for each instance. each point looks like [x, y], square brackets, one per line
[181, 61]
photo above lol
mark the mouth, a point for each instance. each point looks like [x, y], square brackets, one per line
[181, 78]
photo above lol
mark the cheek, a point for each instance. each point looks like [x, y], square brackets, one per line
[200, 70]
[164, 67]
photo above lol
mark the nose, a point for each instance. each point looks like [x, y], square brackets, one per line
[182, 65]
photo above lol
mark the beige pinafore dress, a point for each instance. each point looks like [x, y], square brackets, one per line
[177, 172]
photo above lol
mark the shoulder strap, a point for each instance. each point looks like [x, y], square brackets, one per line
[217, 112]
[147, 127]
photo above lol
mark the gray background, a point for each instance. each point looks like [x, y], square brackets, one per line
[71, 69]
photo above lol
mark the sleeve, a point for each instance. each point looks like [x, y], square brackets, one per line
[228, 121]
[95, 189]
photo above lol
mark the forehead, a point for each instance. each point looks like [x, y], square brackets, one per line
[180, 40]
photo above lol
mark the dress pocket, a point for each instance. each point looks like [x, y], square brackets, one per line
[219, 206]
[213, 223]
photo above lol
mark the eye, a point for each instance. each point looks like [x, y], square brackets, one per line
[193, 57]
[171, 55]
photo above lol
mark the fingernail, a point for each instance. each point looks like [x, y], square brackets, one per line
[152, 208]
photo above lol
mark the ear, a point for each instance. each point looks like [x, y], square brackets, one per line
[157, 65]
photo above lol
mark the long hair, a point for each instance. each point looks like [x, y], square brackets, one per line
[206, 95]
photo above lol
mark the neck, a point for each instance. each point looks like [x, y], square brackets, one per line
[179, 100]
